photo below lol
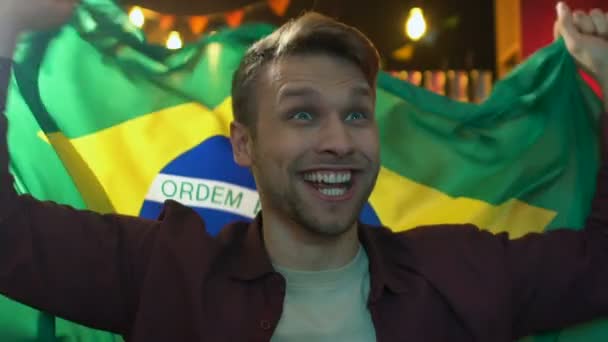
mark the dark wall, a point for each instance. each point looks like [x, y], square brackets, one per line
[469, 45]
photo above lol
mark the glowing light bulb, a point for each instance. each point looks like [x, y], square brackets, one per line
[415, 26]
[136, 16]
[174, 41]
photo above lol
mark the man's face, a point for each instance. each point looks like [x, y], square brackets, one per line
[315, 156]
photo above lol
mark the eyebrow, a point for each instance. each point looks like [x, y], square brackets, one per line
[288, 92]
[356, 92]
[361, 90]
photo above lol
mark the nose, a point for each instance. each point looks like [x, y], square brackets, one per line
[335, 137]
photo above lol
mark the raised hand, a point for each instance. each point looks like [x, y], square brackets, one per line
[586, 37]
[19, 15]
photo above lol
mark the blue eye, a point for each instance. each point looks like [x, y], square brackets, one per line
[355, 116]
[302, 116]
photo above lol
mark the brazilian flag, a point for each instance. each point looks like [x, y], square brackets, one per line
[101, 119]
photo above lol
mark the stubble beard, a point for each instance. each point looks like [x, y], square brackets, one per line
[295, 208]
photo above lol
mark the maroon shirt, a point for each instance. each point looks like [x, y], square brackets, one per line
[168, 280]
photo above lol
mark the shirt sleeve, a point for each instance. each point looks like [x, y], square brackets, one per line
[560, 278]
[80, 265]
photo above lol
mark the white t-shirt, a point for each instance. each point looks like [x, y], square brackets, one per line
[327, 305]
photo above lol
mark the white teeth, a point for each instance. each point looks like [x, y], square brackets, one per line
[328, 177]
[311, 177]
[333, 191]
[344, 177]
[337, 178]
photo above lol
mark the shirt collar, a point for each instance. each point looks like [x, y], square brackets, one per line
[387, 260]
[250, 260]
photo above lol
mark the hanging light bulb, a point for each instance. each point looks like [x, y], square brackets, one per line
[174, 41]
[136, 16]
[415, 26]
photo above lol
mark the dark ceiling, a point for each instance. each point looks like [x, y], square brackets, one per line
[194, 7]
[469, 44]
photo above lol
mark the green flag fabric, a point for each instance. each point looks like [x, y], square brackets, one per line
[101, 119]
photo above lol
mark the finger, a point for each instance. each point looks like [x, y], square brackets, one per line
[566, 27]
[583, 22]
[600, 21]
[556, 34]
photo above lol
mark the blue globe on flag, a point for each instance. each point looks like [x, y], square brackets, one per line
[207, 179]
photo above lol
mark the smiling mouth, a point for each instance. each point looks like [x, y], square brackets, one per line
[332, 185]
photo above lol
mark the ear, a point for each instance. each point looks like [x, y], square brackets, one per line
[240, 139]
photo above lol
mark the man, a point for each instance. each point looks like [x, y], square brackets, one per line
[305, 270]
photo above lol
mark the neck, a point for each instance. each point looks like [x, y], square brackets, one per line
[292, 246]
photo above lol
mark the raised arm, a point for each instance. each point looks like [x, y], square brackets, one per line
[561, 278]
[586, 37]
[78, 265]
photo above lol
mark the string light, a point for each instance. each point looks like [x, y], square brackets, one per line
[136, 16]
[174, 41]
[415, 26]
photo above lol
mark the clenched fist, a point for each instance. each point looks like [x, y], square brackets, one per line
[586, 37]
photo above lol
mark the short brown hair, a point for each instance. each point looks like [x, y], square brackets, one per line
[311, 33]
